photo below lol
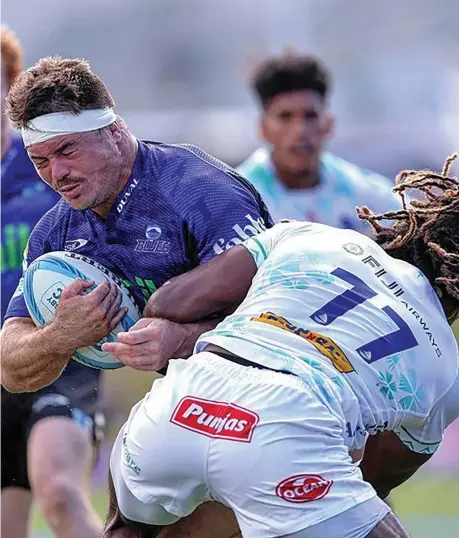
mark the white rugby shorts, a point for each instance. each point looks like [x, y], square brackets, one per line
[265, 444]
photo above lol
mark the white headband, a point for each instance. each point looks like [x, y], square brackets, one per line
[56, 124]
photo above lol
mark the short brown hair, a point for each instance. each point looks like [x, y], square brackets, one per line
[56, 84]
[12, 55]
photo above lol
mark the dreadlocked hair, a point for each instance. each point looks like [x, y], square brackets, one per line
[426, 231]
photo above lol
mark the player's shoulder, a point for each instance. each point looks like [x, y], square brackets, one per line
[326, 234]
[18, 154]
[360, 178]
[288, 230]
[185, 161]
[185, 173]
[18, 171]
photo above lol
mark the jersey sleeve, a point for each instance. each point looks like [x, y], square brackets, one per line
[427, 437]
[262, 245]
[36, 246]
[224, 212]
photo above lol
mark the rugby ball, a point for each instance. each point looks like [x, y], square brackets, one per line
[44, 281]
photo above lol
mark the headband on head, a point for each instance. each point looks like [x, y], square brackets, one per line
[52, 125]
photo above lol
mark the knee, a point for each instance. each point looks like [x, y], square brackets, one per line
[57, 497]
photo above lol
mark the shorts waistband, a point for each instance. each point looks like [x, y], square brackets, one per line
[242, 361]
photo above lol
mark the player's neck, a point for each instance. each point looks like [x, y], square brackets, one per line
[298, 180]
[131, 147]
[129, 150]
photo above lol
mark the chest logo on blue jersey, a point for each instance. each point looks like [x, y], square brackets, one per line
[152, 243]
[153, 232]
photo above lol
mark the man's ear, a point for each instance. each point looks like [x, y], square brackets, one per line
[329, 125]
[115, 130]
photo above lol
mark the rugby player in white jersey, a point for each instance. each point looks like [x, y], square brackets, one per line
[338, 337]
[293, 172]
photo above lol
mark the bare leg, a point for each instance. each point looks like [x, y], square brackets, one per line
[210, 519]
[60, 458]
[390, 526]
[15, 508]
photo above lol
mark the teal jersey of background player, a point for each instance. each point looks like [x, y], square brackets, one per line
[342, 186]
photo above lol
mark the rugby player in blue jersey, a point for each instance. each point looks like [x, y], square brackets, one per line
[46, 434]
[146, 211]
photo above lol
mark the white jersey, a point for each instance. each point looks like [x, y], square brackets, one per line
[343, 186]
[332, 302]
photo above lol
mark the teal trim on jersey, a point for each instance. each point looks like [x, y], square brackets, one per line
[419, 441]
[261, 247]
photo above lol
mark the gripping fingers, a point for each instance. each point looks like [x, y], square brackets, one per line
[110, 298]
[117, 318]
[100, 292]
[76, 288]
[115, 305]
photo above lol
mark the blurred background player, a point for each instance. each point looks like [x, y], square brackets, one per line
[296, 177]
[47, 436]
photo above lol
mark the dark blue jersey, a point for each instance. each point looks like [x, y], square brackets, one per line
[179, 208]
[25, 199]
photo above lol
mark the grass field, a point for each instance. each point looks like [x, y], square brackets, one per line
[428, 505]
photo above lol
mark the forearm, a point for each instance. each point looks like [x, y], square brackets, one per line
[181, 302]
[192, 334]
[32, 357]
[217, 287]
